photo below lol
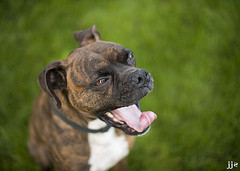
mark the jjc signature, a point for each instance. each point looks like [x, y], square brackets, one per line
[232, 164]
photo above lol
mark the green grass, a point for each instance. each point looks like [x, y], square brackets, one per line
[192, 49]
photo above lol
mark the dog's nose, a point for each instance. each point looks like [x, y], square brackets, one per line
[140, 78]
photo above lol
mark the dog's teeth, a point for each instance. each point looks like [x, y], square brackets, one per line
[115, 120]
[109, 115]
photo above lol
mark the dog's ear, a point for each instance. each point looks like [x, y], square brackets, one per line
[87, 36]
[53, 77]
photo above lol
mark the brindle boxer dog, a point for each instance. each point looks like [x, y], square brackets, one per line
[85, 97]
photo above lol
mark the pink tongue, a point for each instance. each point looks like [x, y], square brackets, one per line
[134, 117]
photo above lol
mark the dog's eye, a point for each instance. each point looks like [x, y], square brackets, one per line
[101, 81]
[130, 57]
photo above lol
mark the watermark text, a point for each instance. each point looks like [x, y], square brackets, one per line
[232, 164]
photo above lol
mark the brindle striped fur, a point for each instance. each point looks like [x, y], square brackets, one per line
[70, 85]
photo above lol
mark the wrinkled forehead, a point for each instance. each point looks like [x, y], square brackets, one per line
[89, 61]
[110, 51]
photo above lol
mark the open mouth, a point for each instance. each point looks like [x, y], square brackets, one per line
[130, 119]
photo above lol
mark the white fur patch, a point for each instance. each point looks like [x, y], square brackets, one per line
[107, 149]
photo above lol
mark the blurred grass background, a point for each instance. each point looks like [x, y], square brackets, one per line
[191, 47]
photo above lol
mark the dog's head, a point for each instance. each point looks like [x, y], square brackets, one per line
[100, 78]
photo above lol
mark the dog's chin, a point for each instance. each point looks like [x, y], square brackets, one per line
[129, 119]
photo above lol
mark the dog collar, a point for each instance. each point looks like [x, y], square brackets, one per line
[76, 126]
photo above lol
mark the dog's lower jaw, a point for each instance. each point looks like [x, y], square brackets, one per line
[109, 119]
[124, 127]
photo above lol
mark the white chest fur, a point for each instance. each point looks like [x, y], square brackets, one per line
[107, 149]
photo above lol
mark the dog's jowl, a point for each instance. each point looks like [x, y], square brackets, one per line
[88, 112]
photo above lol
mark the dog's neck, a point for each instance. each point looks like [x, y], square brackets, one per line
[79, 117]
[77, 121]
